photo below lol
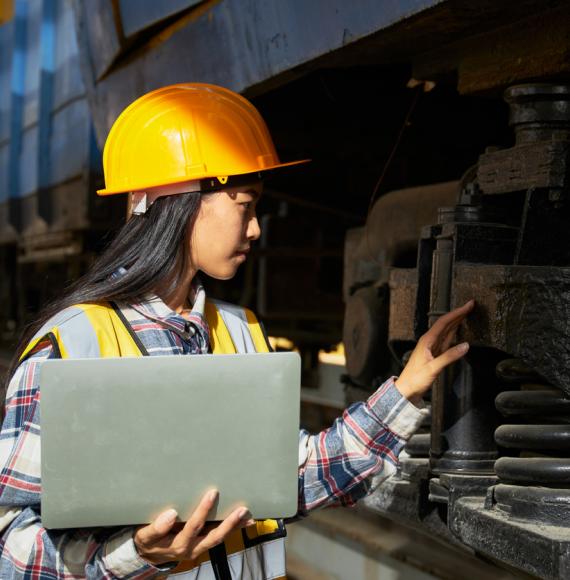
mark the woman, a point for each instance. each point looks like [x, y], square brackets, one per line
[192, 157]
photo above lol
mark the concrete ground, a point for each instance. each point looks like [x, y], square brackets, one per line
[354, 544]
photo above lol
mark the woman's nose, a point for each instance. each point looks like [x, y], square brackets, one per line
[253, 229]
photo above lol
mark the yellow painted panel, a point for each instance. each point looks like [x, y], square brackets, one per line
[6, 11]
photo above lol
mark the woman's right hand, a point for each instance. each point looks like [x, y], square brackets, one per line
[433, 353]
[158, 544]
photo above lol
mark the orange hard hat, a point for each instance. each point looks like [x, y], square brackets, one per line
[186, 137]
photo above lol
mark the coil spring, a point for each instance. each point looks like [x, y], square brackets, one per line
[542, 445]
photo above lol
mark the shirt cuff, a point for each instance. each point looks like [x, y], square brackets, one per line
[121, 558]
[398, 414]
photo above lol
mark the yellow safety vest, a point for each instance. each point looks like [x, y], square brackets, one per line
[100, 330]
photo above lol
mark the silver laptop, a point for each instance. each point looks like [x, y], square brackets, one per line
[126, 438]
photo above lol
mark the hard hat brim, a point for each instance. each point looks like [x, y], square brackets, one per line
[144, 187]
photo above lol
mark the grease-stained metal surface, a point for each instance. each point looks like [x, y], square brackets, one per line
[493, 473]
[137, 15]
[238, 44]
[389, 238]
[253, 46]
[391, 232]
[523, 311]
[540, 550]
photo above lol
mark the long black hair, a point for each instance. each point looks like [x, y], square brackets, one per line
[152, 247]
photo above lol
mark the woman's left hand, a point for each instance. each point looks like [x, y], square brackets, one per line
[433, 353]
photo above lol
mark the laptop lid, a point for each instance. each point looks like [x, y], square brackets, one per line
[126, 438]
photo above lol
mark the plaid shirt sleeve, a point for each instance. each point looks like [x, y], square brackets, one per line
[27, 549]
[335, 466]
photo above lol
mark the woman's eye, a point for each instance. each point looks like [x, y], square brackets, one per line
[246, 204]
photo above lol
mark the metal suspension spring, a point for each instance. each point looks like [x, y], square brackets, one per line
[542, 434]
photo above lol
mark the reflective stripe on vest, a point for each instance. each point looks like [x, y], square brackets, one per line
[95, 331]
[234, 329]
[86, 331]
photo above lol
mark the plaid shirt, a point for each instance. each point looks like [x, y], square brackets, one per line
[335, 465]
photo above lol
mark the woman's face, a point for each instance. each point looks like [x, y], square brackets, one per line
[224, 229]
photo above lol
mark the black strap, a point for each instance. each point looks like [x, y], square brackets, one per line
[264, 332]
[54, 344]
[219, 560]
[129, 328]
